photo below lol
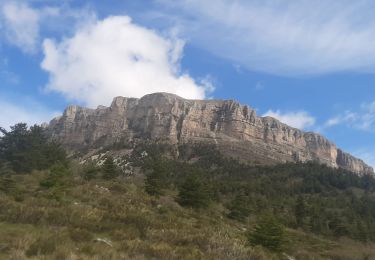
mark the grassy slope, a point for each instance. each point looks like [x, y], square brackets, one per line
[67, 222]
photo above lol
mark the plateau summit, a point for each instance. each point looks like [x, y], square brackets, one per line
[235, 129]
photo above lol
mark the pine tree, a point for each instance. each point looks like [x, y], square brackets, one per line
[337, 226]
[89, 172]
[316, 224]
[56, 176]
[300, 211]
[361, 232]
[239, 208]
[27, 149]
[193, 193]
[156, 181]
[268, 233]
[109, 169]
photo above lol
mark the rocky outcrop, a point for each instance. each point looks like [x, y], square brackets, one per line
[234, 128]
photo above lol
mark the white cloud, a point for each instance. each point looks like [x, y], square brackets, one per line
[20, 25]
[112, 57]
[367, 117]
[32, 113]
[7, 76]
[282, 37]
[364, 119]
[259, 86]
[347, 117]
[298, 119]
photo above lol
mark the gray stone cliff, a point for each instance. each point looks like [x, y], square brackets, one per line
[234, 128]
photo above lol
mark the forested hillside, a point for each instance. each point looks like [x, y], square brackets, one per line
[151, 203]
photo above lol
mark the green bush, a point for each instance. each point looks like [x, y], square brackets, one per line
[27, 149]
[300, 211]
[109, 169]
[193, 193]
[55, 177]
[157, 180]
[239, 208]
[90, 172]
[268, 233]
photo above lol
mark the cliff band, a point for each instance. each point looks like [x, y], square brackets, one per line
[234, 128]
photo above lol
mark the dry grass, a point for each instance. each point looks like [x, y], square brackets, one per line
[117, 220]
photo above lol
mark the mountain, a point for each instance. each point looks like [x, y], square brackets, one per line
[235, 129]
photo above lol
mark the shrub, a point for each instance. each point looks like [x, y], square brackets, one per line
[268, 233]
[118, 187]
[87, 250]
[156, 181]
[239, 208]
[193, 193]
[7, 184]
[140, 222]
[300, 211]
[80, 235]
[55, 176]
[90, 172]
[109, 169]
[42, 246]
[5, 168]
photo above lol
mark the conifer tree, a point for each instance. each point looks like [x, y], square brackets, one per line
[337, 226]
[239, 208]
[27, 149]
[109, 169]
[300, 211]
[193, 193]
[268, 233]
[361, 232]
[156, 181]
[56, 176]
[90, 172]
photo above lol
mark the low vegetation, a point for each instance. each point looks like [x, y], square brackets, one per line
[197, 206]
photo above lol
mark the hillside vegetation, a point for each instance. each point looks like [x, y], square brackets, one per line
[143, 201]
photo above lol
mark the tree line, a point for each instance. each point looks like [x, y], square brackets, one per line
[307, 196]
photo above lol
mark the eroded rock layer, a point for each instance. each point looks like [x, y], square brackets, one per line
[234, 128]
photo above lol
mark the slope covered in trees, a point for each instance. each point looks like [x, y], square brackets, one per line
[198, 205]
[312, 197]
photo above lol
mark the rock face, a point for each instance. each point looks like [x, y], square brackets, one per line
[234, 128]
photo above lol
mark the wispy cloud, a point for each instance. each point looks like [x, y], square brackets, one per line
[282, 37]
[30, 112]
[297, 119]
[362, 119]
[260, 86]
[7, 76]
[348, 118]
[21, 24]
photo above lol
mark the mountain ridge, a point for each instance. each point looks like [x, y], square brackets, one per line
[234, 128]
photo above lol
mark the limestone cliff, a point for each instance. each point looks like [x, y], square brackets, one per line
[234, 128]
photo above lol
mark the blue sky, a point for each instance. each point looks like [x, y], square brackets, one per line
[309, 63]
